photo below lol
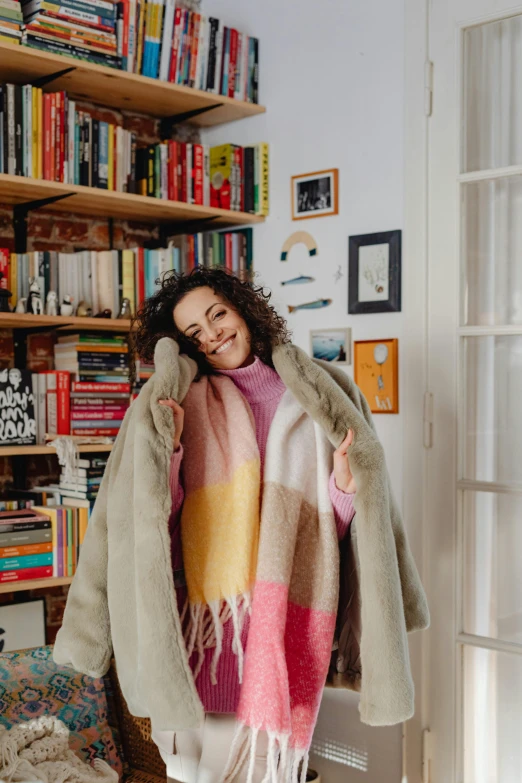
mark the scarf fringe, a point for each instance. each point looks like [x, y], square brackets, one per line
[283, 763]
[204, 630]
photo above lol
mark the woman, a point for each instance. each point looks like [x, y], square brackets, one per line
[211, 566]
[210, 310]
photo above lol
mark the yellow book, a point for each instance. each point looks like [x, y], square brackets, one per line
[264, 206]
[111, 158]
[40, 133]
[51, 512]
[13, 278]
[83, 523]
[128, 278]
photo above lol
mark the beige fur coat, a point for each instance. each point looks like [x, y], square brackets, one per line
[122, 600]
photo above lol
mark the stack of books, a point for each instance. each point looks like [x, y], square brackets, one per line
[99, 364]
[11, 20]
[143, 372]
[102, 279]
[82, 488]
[46, 137]
[26, 545]
[85, 29]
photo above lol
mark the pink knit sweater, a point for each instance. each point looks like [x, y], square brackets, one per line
[263, 389]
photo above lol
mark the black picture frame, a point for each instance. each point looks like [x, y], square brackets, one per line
[393, 302]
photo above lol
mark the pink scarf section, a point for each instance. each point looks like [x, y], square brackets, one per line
[285, 573]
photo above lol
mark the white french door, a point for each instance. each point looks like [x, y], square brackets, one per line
[473, 499]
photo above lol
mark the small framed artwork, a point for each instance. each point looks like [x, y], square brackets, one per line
[376, 373]
[22, 625]
[331, 345]
[374, 274]
[315, 194]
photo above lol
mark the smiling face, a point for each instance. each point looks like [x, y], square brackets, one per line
[220, 332]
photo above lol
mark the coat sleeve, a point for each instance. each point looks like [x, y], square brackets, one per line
[84, 640]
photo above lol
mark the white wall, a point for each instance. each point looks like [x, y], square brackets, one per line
[331, 77]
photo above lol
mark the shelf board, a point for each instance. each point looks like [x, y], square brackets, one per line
[35, 584]
[29, 321]
[97, 202]
[119, 89]
[17, 451]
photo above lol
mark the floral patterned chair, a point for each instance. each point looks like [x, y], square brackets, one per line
[95, 712]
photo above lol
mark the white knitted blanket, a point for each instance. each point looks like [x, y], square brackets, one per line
[38, 750]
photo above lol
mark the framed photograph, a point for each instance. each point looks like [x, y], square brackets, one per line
[374, 273]
[315, 194]
[22, 625]
[331, 345]
[376, 373]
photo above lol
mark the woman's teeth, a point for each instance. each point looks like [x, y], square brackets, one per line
[225, 346]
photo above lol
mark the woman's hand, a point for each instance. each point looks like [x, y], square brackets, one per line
[342, 473]
[179, 417]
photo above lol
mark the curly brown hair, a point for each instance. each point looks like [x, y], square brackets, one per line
[155, 318]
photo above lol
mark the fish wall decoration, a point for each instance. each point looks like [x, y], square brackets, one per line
[310, 305]
[299, 280]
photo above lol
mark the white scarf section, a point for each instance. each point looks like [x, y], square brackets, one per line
[39, 750]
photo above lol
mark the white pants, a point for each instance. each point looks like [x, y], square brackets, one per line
[201, 754]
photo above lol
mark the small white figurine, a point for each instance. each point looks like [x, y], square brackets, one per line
[20, 305]
[51, 303]
[34, 300]
[66, 307]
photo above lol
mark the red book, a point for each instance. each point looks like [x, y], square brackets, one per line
[52, 161]
[26, 573]
[92, 415]
[175, 44]
[63, 402]
[240, 158]
[171, 165]
[108, 431]
[198, 173]
[58, 138]
[194, 50]
[125, 42]
[47, 135]
[88, 386]
[4, 266]
[184, 173]
[179, 196]
[232, 64]
[140, 277]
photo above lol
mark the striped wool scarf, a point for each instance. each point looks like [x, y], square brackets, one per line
[280, 564]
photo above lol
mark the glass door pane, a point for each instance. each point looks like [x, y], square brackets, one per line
[492, 236]
[492, 724]
[492, 578]
[492, 97]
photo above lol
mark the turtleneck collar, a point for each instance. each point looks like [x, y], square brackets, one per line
[257, 382]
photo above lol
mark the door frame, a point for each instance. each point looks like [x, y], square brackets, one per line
[414, 353]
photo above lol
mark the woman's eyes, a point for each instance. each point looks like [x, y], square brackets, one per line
[219, 314]
[195, 335]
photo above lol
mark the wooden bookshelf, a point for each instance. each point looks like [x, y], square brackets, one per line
[63, 323]
[97, 202]
[84, 448]
[119, 89]
[35, 584]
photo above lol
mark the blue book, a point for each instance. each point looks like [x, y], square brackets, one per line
[152, 271]
[226, 61]
[26, 561]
